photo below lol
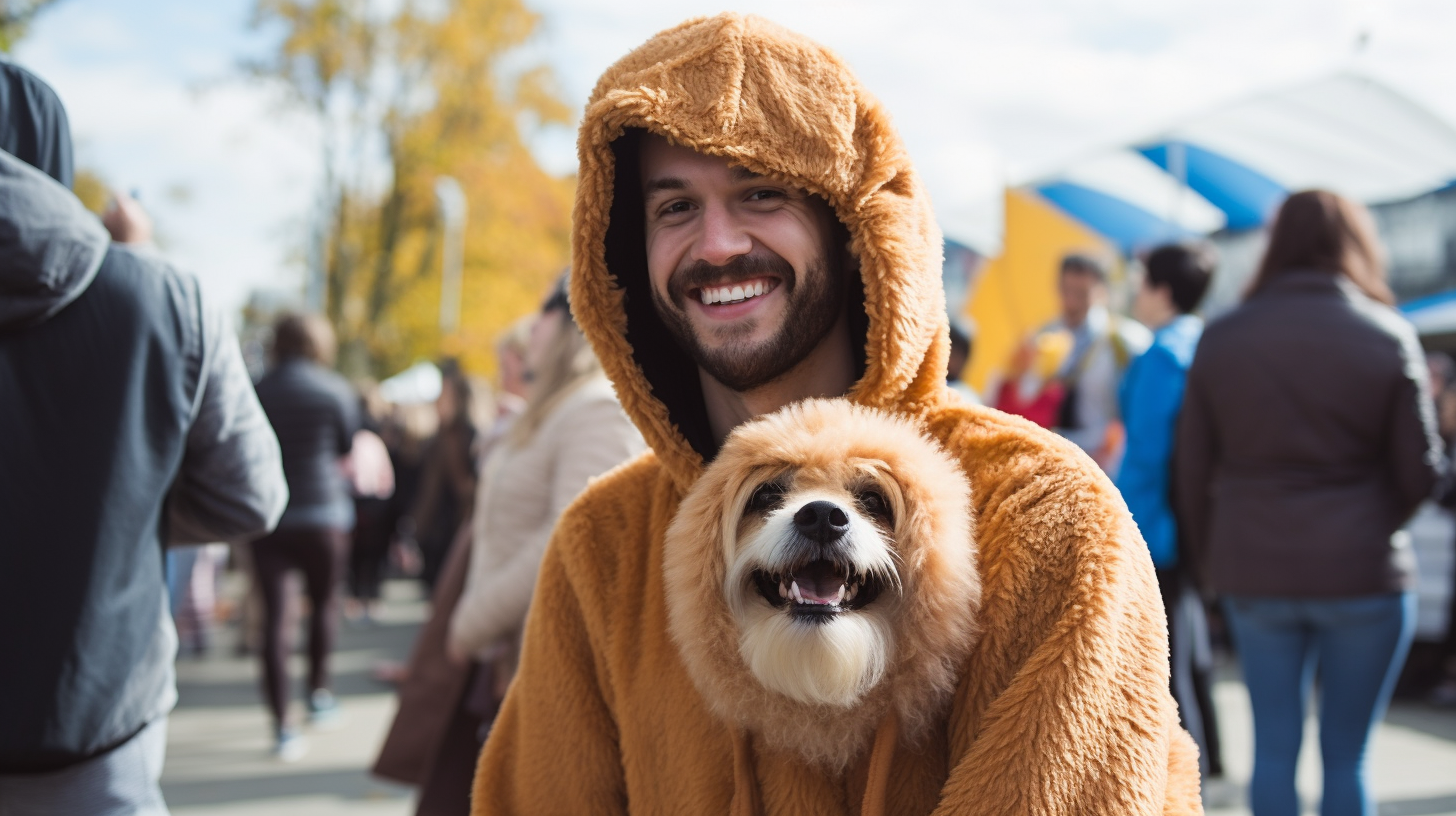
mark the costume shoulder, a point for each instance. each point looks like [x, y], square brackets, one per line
[606, 532]
[1071, 621]
[1036, 496]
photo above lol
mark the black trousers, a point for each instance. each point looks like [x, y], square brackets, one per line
[317, 552]
[373, 529]
[1191, 664]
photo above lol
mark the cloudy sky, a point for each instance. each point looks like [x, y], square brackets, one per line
[984, 92]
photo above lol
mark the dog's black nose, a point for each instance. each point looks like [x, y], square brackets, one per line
[821, 521]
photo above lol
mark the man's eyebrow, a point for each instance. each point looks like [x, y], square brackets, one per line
[665, 183]
[737, 173]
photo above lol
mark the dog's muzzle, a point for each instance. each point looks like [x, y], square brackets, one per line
[822, 582]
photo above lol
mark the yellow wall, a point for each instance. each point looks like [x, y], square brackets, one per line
[1016, 292]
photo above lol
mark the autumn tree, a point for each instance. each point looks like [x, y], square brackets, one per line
[16, 17]
[405, 97]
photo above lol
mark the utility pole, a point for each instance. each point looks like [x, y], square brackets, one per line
[450, 199]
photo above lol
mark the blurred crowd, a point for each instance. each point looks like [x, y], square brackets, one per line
[456, 484]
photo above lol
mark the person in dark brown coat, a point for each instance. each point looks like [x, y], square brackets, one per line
[1307, 439]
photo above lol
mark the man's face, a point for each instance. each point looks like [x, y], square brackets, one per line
[1078, 290]
[1152, 305]
[743, 270]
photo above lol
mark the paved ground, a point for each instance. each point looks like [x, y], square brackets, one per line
[217, 754]
[218, 762]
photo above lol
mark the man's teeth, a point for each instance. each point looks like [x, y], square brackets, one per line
[732, 294]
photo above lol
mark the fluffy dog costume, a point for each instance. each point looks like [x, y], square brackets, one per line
[872, 519]
[1062, 706]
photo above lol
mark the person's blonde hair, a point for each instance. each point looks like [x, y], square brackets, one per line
[515, 338]
[566, 365]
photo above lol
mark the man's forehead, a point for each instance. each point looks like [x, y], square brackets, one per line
[668, 166]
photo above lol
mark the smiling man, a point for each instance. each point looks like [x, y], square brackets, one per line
[750, 233]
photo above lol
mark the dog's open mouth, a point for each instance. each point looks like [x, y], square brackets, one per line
[819, 589]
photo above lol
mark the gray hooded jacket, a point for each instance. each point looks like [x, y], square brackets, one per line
[127, 421]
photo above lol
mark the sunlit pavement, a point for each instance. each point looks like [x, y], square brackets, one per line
[219, 736]
[218, 762]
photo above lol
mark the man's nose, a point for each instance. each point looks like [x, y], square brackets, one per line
[722, 238]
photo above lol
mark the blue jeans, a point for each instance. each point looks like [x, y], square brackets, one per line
[1356, 647]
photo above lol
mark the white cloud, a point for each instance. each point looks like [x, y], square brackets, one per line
[226, 170]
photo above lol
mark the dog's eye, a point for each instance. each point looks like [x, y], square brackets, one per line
[768, 496]
[874, 503]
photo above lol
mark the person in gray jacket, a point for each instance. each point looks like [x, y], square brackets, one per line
[1307, 439]
[127, 423]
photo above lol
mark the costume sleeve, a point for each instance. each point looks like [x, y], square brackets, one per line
[554, 745]
[593, 439]
[1065, 704]
[1197, 455]
[230, 485]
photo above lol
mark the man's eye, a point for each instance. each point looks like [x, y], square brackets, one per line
[676, 207]
[766, 497]
[765, 195]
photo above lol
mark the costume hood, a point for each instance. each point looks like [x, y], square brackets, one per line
[783, 106]
[50, 245]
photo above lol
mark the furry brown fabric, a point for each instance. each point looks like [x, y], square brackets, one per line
[831, 442]
[1063, 706]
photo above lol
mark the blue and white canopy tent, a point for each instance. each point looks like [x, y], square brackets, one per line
[1229, 169]
[1220, 174]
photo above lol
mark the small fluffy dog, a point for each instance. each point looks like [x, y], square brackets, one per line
[820, 574]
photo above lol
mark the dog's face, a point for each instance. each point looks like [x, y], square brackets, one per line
[814, 581]
[820, 572]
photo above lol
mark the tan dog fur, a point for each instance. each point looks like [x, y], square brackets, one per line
[824, 447]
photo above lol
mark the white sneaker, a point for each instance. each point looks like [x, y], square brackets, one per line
[289, 746]
[323, 710]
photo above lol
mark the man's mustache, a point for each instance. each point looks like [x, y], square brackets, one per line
[741, 268]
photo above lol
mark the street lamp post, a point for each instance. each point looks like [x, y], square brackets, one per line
[450, 199]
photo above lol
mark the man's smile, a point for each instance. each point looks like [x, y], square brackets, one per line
[736, 292]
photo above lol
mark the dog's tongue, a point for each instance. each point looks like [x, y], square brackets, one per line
[819, 582]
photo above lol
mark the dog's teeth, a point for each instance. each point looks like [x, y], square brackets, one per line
[794, 590]
[841, 595]
[783, 590]
[853, 591]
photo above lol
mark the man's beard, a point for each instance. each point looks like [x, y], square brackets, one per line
[812, 306]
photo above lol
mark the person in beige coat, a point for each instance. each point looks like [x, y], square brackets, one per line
[571, 431]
